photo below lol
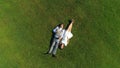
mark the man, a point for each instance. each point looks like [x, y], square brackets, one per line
[58, 34]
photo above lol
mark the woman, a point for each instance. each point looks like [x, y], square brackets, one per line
[67, 35]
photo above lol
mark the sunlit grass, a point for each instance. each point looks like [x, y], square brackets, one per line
[25, 32]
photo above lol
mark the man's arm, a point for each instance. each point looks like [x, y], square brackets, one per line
[55, 30]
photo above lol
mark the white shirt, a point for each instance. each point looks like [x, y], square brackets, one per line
[60, 36]
[56, 28]
[58, 32]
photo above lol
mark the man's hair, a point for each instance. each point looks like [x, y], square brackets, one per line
[60, 24]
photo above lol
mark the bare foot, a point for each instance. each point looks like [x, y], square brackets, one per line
[62, 46]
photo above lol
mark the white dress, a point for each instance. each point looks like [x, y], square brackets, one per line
[67, 35]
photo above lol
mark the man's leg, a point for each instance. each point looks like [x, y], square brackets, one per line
[52, 46]
[55, 48]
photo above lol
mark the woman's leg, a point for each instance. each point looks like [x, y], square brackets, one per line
[61, 46]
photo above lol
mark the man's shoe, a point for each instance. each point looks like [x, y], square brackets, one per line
[53, 55]
[46, 53]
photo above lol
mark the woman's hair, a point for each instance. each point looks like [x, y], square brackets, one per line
[70, 21]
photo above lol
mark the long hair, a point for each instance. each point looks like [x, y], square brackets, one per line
[68, 24]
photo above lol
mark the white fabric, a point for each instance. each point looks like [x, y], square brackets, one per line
[67, 35]
[61, 35]
[57, 29]
[54, 30]
[58, 32]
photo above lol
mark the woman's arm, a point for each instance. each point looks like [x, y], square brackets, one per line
[70, 26]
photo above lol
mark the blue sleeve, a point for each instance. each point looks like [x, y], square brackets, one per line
[54, 30]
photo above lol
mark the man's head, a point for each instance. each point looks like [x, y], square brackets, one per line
[61, 25]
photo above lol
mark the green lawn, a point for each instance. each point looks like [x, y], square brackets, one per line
[26, 25]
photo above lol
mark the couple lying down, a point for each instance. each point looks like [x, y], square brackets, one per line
[61, 37]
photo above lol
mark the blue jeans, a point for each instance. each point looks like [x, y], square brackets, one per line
[54, 46]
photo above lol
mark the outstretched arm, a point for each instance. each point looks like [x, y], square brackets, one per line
[70, 25]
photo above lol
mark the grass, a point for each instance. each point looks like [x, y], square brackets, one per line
[25, 32]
